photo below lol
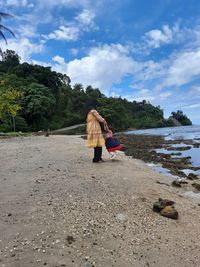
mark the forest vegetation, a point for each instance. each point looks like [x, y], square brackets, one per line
[34, 98]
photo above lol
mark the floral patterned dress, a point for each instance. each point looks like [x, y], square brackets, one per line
[94, 133]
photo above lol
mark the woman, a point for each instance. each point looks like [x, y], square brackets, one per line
[94, 134]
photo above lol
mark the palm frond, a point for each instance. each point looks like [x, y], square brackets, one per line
[5, 28]
[2, 14]
[3, 36]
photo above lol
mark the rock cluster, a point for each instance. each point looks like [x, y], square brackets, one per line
[178, 183]
[166, 208]
[170, 157]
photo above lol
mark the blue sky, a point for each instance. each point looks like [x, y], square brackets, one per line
[136, 49]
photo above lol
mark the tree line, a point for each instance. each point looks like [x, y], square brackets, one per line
[33, 98]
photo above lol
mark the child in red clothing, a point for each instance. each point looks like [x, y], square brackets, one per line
[112, 144]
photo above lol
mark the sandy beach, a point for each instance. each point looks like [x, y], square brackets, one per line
[57, 208]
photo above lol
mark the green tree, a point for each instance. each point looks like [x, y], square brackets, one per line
[182, 118]
[10, 59]
[93, 93]
[9, 104]
[38, 105]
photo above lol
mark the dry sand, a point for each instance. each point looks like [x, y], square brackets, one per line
[57, 208]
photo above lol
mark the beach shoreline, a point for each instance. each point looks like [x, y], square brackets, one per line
[60, 209]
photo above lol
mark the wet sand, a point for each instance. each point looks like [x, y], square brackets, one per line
[57, 208]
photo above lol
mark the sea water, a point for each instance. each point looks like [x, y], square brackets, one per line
[172, 133]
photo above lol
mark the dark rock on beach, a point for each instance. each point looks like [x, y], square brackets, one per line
[70, 239]
[196, 145]
[166, 208]
[196, 186]
[192, 176]
[176, 183]
[179, 148]
[170, 212]
[161, 204]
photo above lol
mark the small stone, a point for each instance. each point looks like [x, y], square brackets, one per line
[176, 183]
[121, 217]
[161, 204]
[9, 214]
[86, 264]
[70, 239]
[170, 212]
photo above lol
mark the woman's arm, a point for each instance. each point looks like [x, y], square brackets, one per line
[97, 116]
[102, 120]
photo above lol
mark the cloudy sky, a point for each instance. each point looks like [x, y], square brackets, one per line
[136, 49]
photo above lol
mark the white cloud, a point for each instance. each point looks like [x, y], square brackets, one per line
[152, 70]
[103, 67]
[144, 97]
[23, 47]
[141, 95]
[64, 33]
[184, 68]
[86, 19]
[179, 69]
[49, 4]
[81, 23]
[59, 64]
[155, 38]
[176, 35]
[27, 30]
[41, 63]
[58, 59]
[41, 12]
